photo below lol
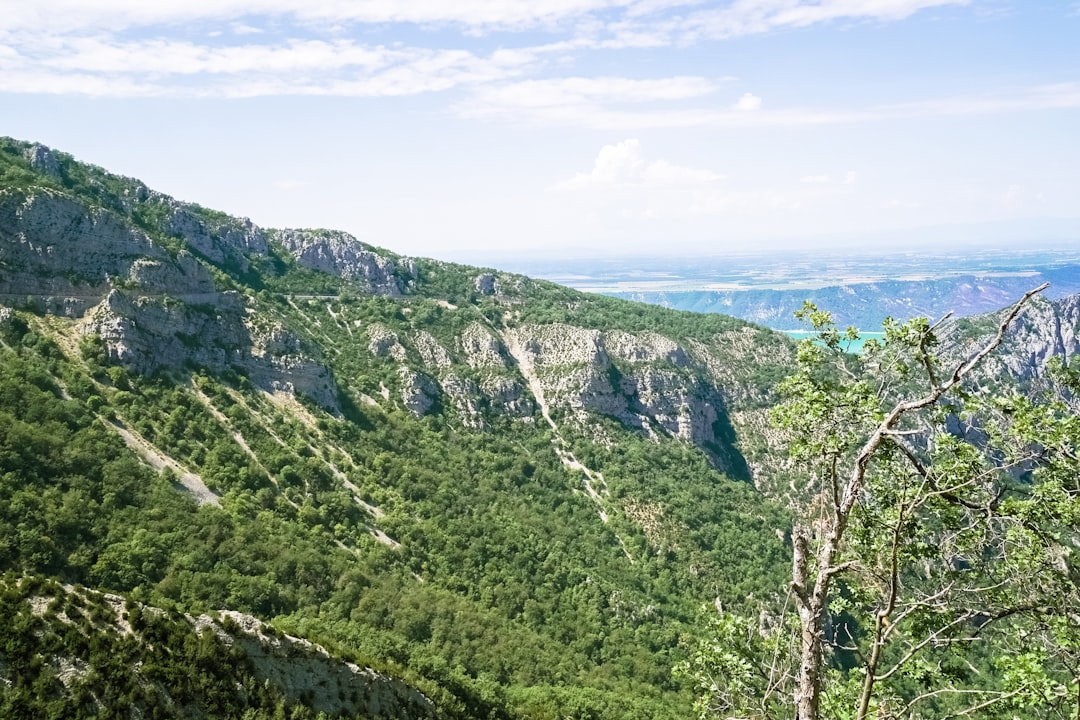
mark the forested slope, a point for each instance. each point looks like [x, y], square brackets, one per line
[513, 496]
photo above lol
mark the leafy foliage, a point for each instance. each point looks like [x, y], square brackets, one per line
[932, 564]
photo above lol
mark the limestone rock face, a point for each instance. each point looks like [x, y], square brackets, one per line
[557, 344]
[481, 348]
[644, 380]
[68, 256]
[645, 348]
[433, 354]
[302, 669]
[467, 399]
[1044, 330]
[226, 242]
[280, 362]
[507, 396]
[384, 342]
[148, 333]
[181, 277]
[486, 284]
[43, 160]
[155, 333]
[419, 393]
[339, 253]
[153, 309]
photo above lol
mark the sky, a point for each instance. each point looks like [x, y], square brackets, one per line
[482, 129]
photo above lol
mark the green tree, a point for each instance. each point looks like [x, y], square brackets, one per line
[932, 567]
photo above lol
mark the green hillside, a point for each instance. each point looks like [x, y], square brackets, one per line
[511, 495]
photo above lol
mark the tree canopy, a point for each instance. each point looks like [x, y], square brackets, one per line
[933, 567]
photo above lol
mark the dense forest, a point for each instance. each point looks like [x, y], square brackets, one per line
[518, 500]
[468, 560]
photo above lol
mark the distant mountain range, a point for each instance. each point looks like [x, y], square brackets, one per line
[866, 305]
[859, 289]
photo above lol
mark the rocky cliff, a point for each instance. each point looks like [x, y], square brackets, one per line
[501, 482]
[296, 671]
[339, 253]
[1044, 330]
[156, 302]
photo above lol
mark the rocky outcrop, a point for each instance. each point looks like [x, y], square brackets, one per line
[486, 284]
[68, 256]
[644, 380]
[154, 309]
[43, 160]
[481, 348]
[507, 396]
[431, 352]
[279, 362]
[419, 393]
[305, 672]
[1044, 330]
[645, 348]
[384, 342]
[223, 240]
[339, 253]
[466, 398]
[150, 334]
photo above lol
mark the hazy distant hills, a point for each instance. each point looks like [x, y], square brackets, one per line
[860, 289]
[866, 305]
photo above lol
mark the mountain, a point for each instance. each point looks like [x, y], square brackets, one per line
[509, 495]
[110, 656]
[1047, 330]
[865, 305]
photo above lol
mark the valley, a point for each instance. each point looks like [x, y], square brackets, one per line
[511, 495]
[283, 473]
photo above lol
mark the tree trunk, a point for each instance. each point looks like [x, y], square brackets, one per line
[811, 616]
[808, 695]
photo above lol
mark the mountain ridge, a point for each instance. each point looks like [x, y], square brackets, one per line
[456, 452]
[509, 494]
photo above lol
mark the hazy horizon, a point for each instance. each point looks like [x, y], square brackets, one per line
[592, 127]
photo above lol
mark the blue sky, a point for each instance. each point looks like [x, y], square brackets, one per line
[477, 129]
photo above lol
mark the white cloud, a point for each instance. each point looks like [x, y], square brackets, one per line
[1039, 97]
[621, 166]
[165, 57]
[850, 177]
[64, 15]
[101, 66]
[651, 19]
[814, 179]
[748, 101]
[244, 29]
[518, 102]
[748, 17]
[571, 91]
[82, 47]
[603, 102]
